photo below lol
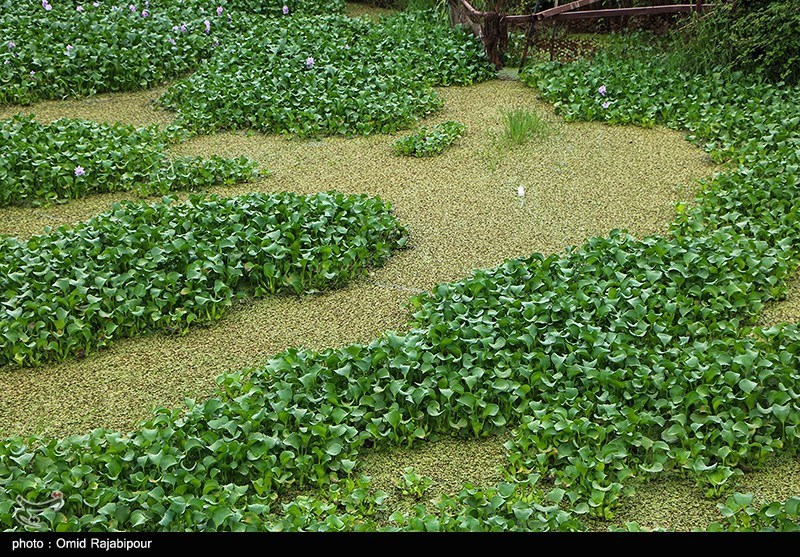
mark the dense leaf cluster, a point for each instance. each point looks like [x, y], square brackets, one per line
[730, 114]
[422, 43]
[308, 71]
[758, 37]
[429, 142]
[351, 505]
[327, 75]
[167, 265]
[67, 52]
[283, 8]
[621, 358]
[744, 516]
[68, 159]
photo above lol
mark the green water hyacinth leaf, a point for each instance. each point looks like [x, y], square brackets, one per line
[747, 386]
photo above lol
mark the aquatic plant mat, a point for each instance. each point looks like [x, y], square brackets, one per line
[462, 208]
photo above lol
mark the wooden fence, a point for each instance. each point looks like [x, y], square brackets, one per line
[492, 27]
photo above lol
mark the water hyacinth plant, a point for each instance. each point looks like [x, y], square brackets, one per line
[620, 360]
[68, 159]
[327, 75]
[277, 8]
[372, 78]
[110, 49]
[428, 142]
[165, 266]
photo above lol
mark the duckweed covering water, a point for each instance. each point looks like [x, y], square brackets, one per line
[622, 359]
[457, 203]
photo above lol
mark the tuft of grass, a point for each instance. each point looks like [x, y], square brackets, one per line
[520, 126]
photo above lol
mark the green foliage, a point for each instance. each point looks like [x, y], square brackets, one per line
[274, 8]
[74, 158]
[428, 142]
[734, 114]
[507, 507]
[743, 516]
[327, 75]
[308, 72]
[520, 126]
[196, 173]
[64, 52]
[351, 505]
[621, 358]
[620, 343]
[348, 505]
[423, 44]
[410, 5]
[732, 117]
[165, 266]
[755, 37]
[412, 484]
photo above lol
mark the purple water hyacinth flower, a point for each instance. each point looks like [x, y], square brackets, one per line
[602, 90]
[33, 73]
[12, 45]
[347, 47]
[171, 40]
[310, 62]
[146, 3]
[183, 28]
[606, 104]
[46, 5]
[79, 8]
[79, 171]
[96, 4]
[145, 13]
[69, 48]
[208, 26]
[219, 10]
[286, 10]
[132, 8]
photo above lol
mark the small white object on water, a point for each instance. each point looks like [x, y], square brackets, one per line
[521, 194]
